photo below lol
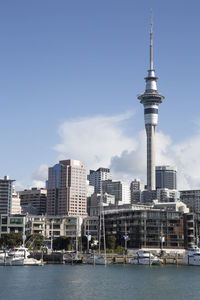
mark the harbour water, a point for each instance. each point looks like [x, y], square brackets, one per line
[85, 282]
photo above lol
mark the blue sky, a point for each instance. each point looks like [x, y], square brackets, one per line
[66, 61]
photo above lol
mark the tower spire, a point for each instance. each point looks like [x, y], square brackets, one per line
[151, 43]
[151, 100]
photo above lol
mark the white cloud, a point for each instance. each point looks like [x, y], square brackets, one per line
[40, 176]
[94, 140]
[102, 141]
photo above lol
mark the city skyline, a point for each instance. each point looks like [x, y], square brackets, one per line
[69, 81]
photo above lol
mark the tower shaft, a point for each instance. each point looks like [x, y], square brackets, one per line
[150, 132]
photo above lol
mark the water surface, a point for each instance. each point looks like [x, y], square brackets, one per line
[85, 282]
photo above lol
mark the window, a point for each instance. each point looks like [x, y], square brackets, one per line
[16, 221]
[4, 220]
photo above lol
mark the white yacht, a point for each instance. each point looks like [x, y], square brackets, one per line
[3, 255]
[32, 262]
[96, 260]
[193, 257]
[11, 261]
[145, 258]
[19, 252]
[18, 257]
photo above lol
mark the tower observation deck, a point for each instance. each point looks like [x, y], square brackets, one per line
[151, 100]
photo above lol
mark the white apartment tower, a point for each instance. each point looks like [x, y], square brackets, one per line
[96, 177]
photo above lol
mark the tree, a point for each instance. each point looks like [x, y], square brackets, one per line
[34, 241]
[111, 242]
[11, 240]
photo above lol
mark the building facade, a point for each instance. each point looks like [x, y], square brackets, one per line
[120, 189]
[33, 201]
[15, 205]
[96, 177]
[144, 227]
[12, 224]
[66, 189]
[166, 177]
[6, 191]
[136, 191]
[192, 199]
[164, 195]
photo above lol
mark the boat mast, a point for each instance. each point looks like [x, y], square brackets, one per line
[100, 211]
[77, 234]
[104, 236]
[125, 237]
[52, 236]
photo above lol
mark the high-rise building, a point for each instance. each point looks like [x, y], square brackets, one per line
[15, 205]
[136, 190]
[33, 201]
[6, 190]
[192, 199]
[96, 177]
[120, 189]
[167, 195]
[166, 177]
[151, 100]
[66, 189]
[52, 185]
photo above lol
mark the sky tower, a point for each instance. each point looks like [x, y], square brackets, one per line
[151, 99]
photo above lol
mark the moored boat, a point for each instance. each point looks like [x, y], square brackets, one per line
[145, 258]
[193, 257]
[96, 260]
[19, 252]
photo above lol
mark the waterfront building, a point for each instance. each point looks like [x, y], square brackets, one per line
[33, 201]
[36, 224]
[166, 177]
[120, 189]
[192, 199]
[96, 177]
[151, 100]
[6, 191]
[136, 190]
[63, 226]
[144, 226]
[174, 206]
[47, 226]
[90, 226]
[54, 226]
[12, 224]
[66, 189]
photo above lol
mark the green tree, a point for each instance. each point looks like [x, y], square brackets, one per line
[11, 240]
[111, 242]
[34, 241]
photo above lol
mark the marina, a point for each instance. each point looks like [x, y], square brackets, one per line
[22, 256]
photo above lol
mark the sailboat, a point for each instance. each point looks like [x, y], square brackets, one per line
[77, 259]
[99, 259]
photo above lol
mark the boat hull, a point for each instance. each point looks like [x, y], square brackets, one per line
[96, 260]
